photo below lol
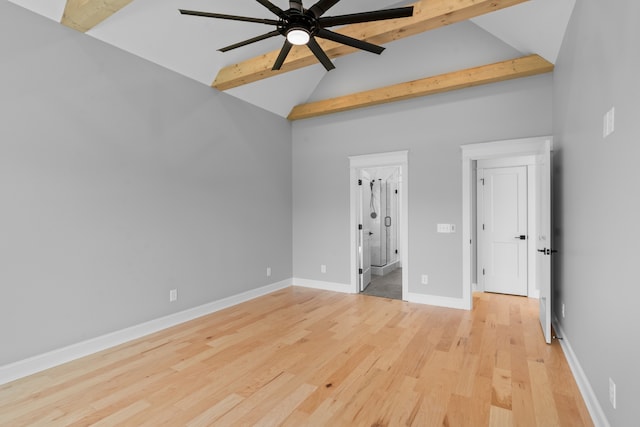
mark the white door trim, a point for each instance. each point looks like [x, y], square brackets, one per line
[356, 163]
[470, 154]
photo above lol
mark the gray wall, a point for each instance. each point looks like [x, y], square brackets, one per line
[432, 129]
[597, 203]
[120, 180]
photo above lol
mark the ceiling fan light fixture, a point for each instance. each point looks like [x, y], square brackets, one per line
[298, 36]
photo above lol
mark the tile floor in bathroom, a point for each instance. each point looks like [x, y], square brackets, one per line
[388, 286]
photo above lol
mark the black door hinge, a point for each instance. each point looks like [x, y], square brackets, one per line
[396, 251]
[483, 272]
[359, 226]
[360, 271]
[359, 182]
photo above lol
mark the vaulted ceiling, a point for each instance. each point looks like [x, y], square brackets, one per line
[446, 45]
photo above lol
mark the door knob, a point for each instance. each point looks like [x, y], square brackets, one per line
[521, 237]
[547, 251]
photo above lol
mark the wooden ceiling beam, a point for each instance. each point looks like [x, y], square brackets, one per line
[83, 15]
[427, 15]
[499, 71]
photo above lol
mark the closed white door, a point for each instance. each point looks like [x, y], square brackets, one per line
[503, 230]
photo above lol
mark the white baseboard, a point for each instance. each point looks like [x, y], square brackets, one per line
[326, 286]
[458, 303]
[57, 357]
[448, 302]
[593, 405]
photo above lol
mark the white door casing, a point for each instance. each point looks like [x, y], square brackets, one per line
[502, 229]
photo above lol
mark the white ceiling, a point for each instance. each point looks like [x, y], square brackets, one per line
[154, 30]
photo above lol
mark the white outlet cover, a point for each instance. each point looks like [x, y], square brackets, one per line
[425, 279]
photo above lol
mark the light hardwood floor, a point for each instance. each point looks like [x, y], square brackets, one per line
[306, 357]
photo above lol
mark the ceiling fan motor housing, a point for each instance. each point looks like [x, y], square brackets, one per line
[297, 18]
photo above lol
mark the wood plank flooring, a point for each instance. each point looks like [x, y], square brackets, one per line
[303, 357]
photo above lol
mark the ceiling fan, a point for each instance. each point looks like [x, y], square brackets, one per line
[301, 26]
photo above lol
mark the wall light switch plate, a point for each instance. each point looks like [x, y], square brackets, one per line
[446, 228]
[609, 122]
[612, 393]
[173, 295]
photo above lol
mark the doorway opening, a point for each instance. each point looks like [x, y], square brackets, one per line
[379, 224]
[540, 243]
[380, 219]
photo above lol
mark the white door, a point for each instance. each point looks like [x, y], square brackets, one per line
[366, 260]
[364, 235]
[503, 230]
[543, 244]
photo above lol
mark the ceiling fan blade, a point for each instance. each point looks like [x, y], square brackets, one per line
[230, 17]
[319, 53]
[349, 41]
[249, 41]
[356, 18]
[321, 7]
[273, 8]
[286, 48]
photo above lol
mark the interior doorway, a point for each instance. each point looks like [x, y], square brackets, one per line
[540, 246]
[379, 224]
[380, 219]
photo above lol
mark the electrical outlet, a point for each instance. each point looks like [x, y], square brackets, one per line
[268, 271]
[323, 268]
[425, 279]
[563, 310]
[173, 295]
[612, 393]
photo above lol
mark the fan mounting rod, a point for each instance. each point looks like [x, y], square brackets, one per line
[296, 4]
